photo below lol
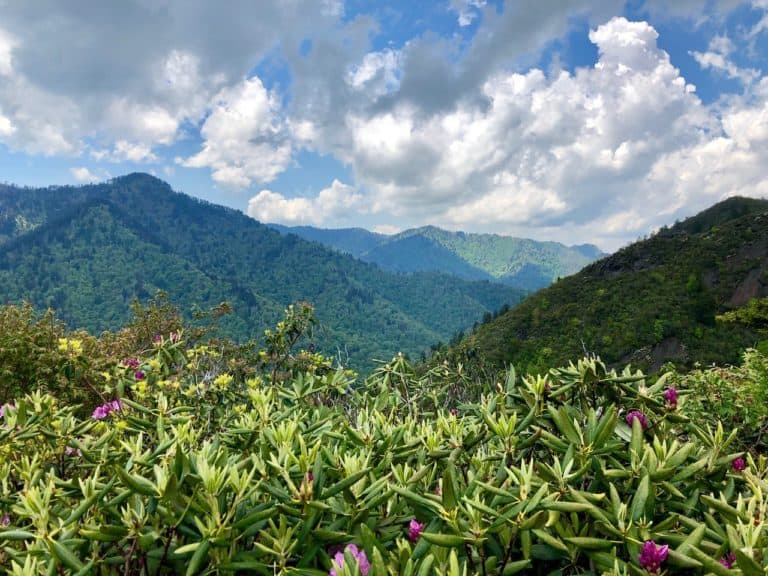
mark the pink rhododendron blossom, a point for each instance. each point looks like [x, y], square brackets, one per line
[670, 395]
[359, 555]
[106, 409]
[640, 417]
[652, 556]
[739, 465]
[415, 528]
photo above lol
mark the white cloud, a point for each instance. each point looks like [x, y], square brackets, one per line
[244, 138]
[6, 52]
[467, 10]
[387, 229]
[338, 202]
[83, 174]
[601, 154]
[534, 149]
[379, 72]
[140, 71]
[6, 127]
[716, 58]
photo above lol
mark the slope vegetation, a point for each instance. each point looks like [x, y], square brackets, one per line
[651, 302]
[88, 251]
[519, 262]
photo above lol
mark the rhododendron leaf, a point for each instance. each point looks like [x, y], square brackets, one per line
[444, 540]
[345, 483]
[747, 564]
[637, 511]
[677, 558]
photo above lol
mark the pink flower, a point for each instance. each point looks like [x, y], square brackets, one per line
[357, 554]
[670, 395]
[652, 556]
[157, 339]
[729, 560]
[415, 528]
[640, 418]
[139, 375]
[175, 336]
[106, 409]
[739, 465]
[69, 451]
[131, 363]
[5, 520]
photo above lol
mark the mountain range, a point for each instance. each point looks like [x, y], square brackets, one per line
[519, 262]
[88, 251]
[652, 302]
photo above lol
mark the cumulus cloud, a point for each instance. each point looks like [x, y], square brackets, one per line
[457, 130]
[139, 72]
[534, 150]
[336, 203]
[245, 139]
[83, 174]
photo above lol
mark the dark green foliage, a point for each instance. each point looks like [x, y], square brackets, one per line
[651, 302]
[89, 251]
[525, 264]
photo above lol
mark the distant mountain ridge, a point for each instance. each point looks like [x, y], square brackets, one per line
[652, 302]
[88, 250]
[519, 262]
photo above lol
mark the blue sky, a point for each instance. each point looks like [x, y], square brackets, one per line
[578, 122]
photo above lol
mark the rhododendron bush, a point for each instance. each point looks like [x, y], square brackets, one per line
[186, 466]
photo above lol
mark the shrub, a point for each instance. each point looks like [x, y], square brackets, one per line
[200, 471]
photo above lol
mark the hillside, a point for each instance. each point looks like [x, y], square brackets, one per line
[89, 250]
[522, 263]
[651, 302]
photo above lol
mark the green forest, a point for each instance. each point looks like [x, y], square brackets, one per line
[654, 301]
[518, 262]
[89, 251]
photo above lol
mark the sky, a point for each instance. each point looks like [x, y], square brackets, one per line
[571, 121]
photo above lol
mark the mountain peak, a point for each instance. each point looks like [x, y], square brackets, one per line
[653, 301]
[140, 179]
[720, 213]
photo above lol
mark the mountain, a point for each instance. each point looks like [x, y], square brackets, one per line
[522, 263]
[87, 251]
[353, 241]
[651, 302]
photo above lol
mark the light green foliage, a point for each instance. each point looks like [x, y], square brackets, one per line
[207, 471]
[754, 315]
[738, 396]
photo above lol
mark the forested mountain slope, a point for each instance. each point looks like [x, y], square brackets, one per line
[519, 262]
[89, 250]
[651, 302]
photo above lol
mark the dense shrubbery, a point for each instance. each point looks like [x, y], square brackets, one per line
[202, 463]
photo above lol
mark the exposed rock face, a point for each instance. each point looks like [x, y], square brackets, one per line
[668, 350]
[752, 286]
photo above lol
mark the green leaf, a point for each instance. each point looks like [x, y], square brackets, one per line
[16, 535]
[445, 540]
[641, 497]
[65, 555]
[748, 565]
[345, 483]
[511, 568]
[590, 543]
[200, 555]
[450, 486]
